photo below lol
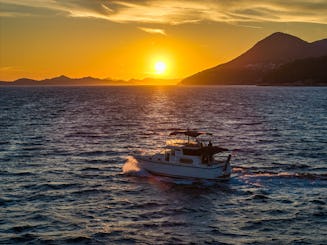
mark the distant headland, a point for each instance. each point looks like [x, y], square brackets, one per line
[279, 59]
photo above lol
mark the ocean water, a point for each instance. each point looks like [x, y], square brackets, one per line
[63, 150]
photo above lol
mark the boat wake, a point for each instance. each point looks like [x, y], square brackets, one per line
[254, 172]
[132, 168]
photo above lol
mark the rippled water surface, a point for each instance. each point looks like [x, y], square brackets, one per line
[62, 150]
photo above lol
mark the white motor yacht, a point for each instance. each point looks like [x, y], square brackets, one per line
[191, 158]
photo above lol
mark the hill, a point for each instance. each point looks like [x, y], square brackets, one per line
[63, 81]
[265, 56]
[309, 71]
[87, 81]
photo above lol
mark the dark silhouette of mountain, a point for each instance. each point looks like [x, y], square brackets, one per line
[309, 71]
[63, 81]
[265, 56]
[23, 81]
[86, 81]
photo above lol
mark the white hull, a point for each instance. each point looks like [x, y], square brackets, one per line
[177, 170]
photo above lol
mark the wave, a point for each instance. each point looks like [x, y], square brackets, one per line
[97, 153]
[91, 169]
[89, 191]
[16, 173]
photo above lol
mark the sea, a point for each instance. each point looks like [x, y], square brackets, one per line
[68, 176]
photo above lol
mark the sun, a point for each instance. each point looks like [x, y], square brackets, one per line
[160, 67]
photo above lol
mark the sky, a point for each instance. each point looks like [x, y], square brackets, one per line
[131, 39]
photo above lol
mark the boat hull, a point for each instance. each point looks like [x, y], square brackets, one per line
[216, 172]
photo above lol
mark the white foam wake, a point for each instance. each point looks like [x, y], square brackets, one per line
[131, 167]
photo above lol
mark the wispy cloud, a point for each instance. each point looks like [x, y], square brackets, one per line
[176, 12]
[153, 30]
[7, 68]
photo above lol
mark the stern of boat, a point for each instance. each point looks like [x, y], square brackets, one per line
[227, 169]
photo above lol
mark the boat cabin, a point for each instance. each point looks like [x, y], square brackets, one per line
[191, 158]
[191, 151]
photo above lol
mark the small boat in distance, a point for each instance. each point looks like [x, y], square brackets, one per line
[192, 158]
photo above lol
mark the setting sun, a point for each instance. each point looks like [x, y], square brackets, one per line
[160, 67]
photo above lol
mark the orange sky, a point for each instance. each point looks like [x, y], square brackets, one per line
[124, 39]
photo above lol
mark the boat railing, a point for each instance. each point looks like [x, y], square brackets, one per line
[182, 143]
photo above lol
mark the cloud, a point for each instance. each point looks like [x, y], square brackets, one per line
[153, 30]
[7, 68]
[176, 12]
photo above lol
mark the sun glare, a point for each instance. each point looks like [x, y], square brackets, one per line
[160, 67]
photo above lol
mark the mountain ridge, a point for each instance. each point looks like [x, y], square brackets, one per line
[266, 55]
[63, 80]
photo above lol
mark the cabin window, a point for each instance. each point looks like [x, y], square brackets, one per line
[173, 152]
[192, 152]
[177, 152]
[167, 156]
[186, 160]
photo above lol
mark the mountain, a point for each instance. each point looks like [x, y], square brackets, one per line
[87, 81]
[265, 56]
[84, 81]
[23, 82]
[63, 81]
[309, 71]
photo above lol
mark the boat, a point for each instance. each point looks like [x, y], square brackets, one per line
[190, 158]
